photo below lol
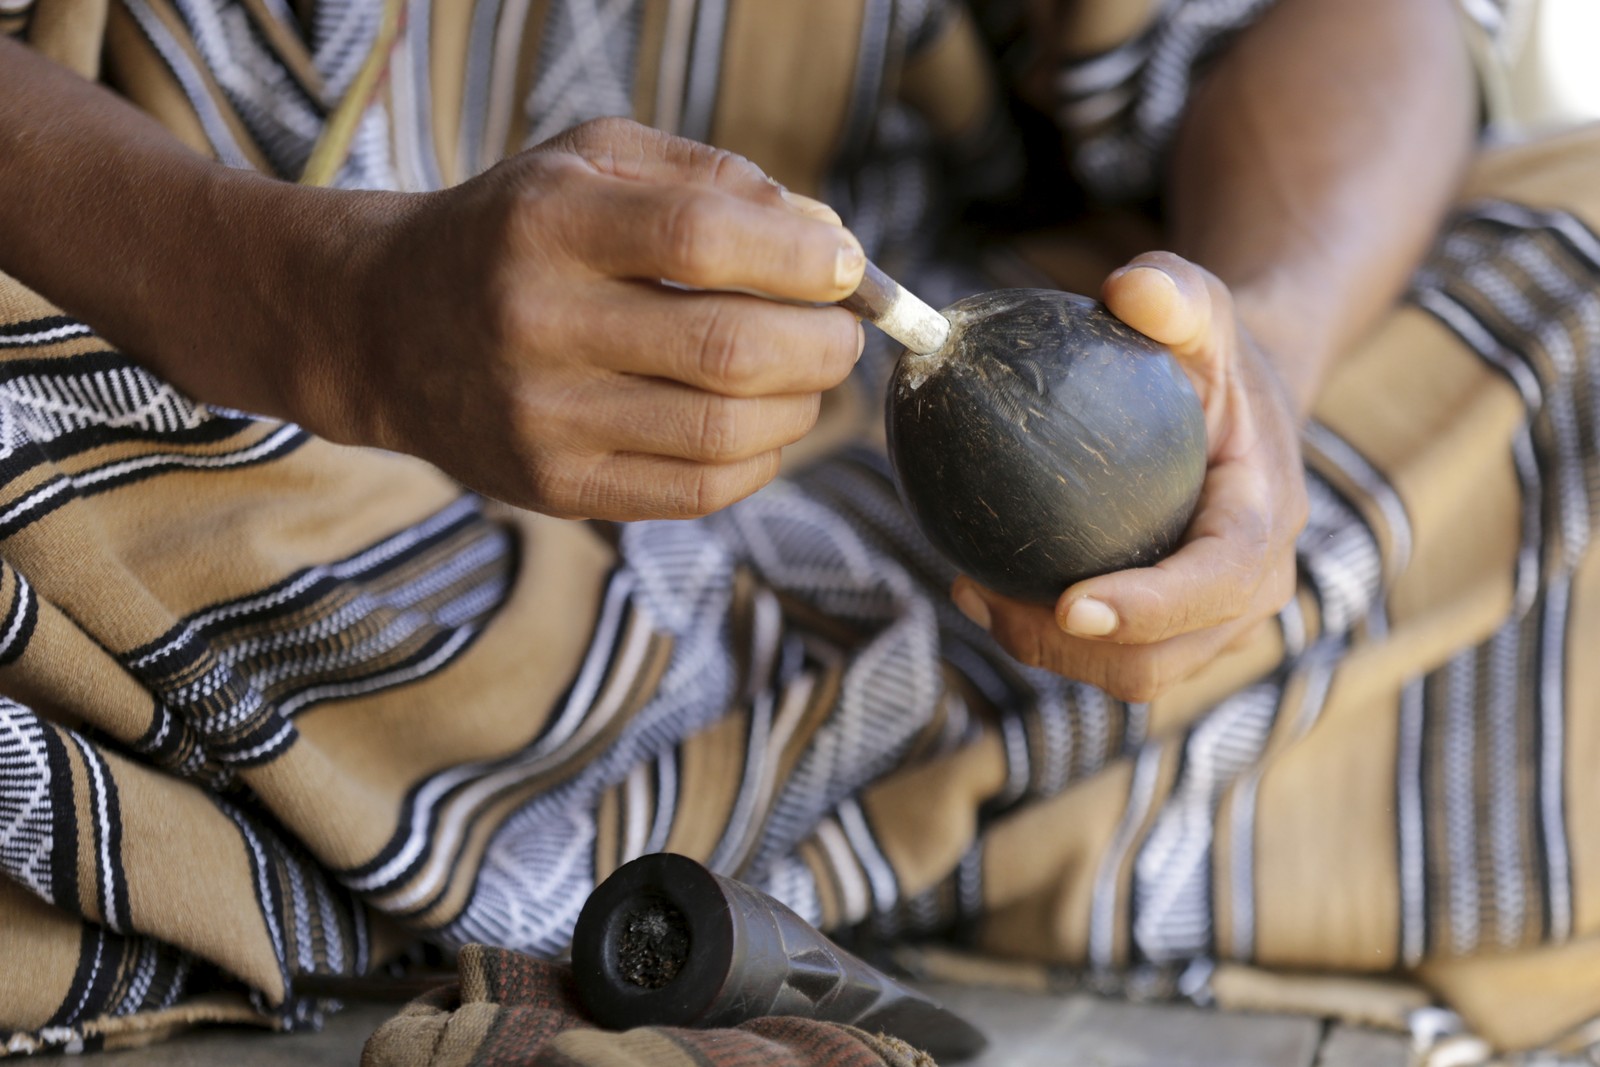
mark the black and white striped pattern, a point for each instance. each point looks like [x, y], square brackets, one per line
[1120, 108]
[1171, 901]
[1522, 289]
[27, 820]
[361, 625]
[100, 396]
[586, 70]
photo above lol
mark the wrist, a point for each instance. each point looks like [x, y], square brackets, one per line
[313, 302]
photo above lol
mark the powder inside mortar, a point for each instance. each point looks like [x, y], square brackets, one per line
[654, 944]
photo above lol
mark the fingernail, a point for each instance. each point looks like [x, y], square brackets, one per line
[861, 341]
[1152, 275]
[1088, 617]
[848, 266]
[970, 604]
[815, 209]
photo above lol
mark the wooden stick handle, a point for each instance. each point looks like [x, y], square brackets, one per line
[898, 312]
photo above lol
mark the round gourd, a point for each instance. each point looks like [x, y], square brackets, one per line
[1045, 443]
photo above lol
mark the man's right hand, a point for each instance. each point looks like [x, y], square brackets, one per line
[560, 332]
[563, 333]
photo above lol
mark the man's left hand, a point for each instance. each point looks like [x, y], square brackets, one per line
[1136, 633]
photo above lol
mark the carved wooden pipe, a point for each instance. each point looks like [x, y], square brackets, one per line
[665, 942]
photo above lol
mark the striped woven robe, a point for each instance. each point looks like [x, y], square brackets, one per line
[274, 708]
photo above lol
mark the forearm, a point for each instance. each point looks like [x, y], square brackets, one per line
[1314, 165]
[211, 277]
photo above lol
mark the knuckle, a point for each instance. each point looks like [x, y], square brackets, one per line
[703, 493]
[600, 131]
[1027, 647]
[1136, 679]
[686, 238]
[547, 208]
[839, 353]
[714, 488]
[725, 166]
[719, 430]
[1162, 619]
[723, 357]
[609, 125]
[733, 171]
[560, 486]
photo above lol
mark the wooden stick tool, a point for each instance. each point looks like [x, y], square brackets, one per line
[898, 312]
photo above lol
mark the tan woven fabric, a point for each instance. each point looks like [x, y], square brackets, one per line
[275, 708]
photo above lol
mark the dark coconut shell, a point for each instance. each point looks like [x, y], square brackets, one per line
[1047, 442]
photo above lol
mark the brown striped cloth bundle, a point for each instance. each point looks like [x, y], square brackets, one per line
[274, 710]
[511, 1010]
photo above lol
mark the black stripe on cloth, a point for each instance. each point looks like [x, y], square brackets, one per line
[105, 814]
[397, 612]
[147, 978]
[44, 499]
[264, 883]
[85, 363]
[460, 841]
[429, 657]
[124, 472]
[289, 597]
[22, 615]
[1530, 632]
[35, 333]
[64, 887]
[1550, 847]
[91, 979]
[168, 982]
[1445, 910]
[170, 742]
[34, 504]
[516, 772]
[120, 917]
